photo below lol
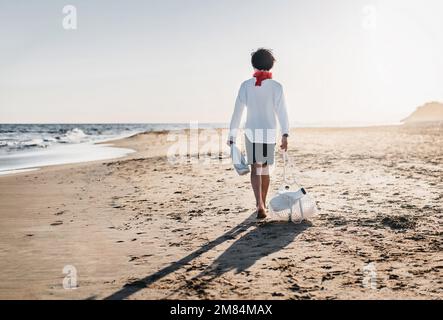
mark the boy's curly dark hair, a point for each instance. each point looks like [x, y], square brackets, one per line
[263, 59]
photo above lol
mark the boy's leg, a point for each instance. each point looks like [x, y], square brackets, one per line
[256, 181]
[265, 181]
[257, 185]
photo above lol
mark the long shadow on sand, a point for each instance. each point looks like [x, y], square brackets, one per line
[261, 241]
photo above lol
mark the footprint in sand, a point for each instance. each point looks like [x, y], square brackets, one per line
[398, 223]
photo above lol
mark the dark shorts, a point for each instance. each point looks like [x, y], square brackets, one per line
[262, 153]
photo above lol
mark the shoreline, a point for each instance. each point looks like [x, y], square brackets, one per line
[60, 155]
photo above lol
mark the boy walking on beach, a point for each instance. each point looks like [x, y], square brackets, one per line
[265, 103]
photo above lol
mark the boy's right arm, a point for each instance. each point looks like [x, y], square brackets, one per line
[236, 116]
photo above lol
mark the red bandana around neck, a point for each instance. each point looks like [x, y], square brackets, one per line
[260, 76]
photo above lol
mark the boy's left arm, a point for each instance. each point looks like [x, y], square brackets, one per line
[282, 115]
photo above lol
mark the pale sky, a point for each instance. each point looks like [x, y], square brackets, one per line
[180, 61]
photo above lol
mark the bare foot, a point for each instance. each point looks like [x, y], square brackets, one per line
[261, 214]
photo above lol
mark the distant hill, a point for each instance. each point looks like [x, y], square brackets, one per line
[430, 112]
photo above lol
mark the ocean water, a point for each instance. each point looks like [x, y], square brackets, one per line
[30, 146]
[21, 137]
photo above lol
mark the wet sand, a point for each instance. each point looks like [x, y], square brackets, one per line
[141, 227]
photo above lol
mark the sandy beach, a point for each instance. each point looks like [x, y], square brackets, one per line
[141, 227]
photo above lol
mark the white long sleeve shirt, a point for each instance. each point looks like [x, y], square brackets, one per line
[264, 105]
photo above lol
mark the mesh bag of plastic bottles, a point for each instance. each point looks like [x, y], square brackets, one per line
[291, 202]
